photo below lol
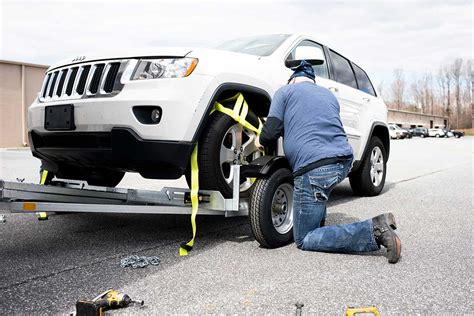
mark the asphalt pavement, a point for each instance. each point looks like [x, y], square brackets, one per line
[45, 266]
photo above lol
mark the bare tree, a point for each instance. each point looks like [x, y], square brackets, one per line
[448, 80]
[456, 71]
[442, 89]
[417, 95]
[398, 88]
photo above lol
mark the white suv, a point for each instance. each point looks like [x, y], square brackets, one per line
[97, 117]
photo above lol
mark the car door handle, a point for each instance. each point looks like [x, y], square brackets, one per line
[334, 89]
[366, 100]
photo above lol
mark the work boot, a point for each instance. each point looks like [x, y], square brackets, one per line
[385, 236]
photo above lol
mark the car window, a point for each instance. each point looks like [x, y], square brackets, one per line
[311, 50]
[263, 45]
[363, 80]
[342, 70]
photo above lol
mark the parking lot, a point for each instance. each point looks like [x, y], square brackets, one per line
[46, 266]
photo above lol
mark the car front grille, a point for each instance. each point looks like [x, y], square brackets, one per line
[85, 80]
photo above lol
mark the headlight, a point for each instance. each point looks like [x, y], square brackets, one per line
[164, 68]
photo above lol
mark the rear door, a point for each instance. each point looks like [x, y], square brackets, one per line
[344, 87]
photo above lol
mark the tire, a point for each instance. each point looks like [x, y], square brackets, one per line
[268, 193]
[437, 135]
[96, 177]
[422, 135]
[369, 180]
[218, 149]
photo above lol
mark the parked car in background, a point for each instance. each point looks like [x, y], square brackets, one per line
[409, 132]
[395, 133]
[457, 134]
[447, 133]
[436, 132]
[400, 132]
[420, 132]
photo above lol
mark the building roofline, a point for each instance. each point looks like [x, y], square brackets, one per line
[417, 113]
[19, 63]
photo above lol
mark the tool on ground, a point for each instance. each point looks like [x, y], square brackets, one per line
[110, 299]
[299, 307]
[356, 311]
[135, 261]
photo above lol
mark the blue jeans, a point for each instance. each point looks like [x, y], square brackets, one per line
[311, 193]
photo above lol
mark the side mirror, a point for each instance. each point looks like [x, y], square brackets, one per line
[295, 62]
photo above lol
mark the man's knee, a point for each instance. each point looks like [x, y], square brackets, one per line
[299, 243]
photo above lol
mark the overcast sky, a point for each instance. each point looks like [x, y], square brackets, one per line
[379, 35]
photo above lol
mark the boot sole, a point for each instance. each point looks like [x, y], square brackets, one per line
[398, 249]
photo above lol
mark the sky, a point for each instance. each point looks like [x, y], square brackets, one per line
[380, 36]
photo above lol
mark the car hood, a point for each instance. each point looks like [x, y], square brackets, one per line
[124, 54]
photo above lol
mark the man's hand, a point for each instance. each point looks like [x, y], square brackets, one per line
[257, 143]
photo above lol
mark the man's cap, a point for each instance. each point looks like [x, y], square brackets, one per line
[304, 69]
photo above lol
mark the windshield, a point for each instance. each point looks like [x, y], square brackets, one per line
[262, 45]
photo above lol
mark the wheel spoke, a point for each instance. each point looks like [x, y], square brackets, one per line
[231, 175]
[226, 155]
[379, 166]
[372, 174]
[249, 146]
[236, 132]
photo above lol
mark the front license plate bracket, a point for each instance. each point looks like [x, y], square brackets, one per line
[59, 118]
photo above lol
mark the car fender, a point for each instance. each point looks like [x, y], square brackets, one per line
[235, 86]
[385, 140]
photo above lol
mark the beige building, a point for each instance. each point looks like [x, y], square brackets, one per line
[413, 119]
[19, 85]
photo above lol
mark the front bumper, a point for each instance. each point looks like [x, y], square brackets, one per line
[183, 102]
[120, 149]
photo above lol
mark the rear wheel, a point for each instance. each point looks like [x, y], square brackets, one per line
[271, 209]
[224, 143]
[369, 179]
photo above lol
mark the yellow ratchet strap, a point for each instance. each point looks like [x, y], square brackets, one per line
[185, 247]
[44, 177]
[239, 114]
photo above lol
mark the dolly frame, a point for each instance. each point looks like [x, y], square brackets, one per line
[18, 197]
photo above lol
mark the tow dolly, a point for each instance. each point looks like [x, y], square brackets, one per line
[269, 205]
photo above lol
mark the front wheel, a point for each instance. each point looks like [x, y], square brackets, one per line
[271, 209]
[369, 179]
[224, 143]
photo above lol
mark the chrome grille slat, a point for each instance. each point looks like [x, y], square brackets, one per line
[54, 81]
[71, 81]
[93, 86]
[62, 78]
[104, 77]
[44, 89]
[67, 83]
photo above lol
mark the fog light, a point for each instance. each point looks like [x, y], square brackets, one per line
[148, 114]
[155, 116]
